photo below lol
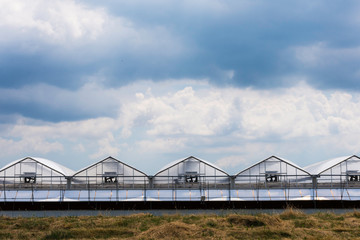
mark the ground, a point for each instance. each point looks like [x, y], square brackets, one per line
[290, 224]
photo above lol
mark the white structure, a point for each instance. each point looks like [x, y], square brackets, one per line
[190, 179]
[272, 172]
[337, 171]
[34, 172]
[190, 172]
[109, 173]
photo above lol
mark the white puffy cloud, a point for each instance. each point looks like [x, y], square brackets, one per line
[183, 112]
[296, 112]
[92, 32]
[231, 126]
[285, 115]
[57, 21]
[247, 123]
[93, 137]
[39, 145]
[107, 146]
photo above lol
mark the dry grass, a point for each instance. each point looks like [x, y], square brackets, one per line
[290, 224]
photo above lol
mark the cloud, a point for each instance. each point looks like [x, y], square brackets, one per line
[55, 21]
[231, 43]
[29, 145]
[64, 43]
[50, 103]
[92, 138]
[300, 111]
[230, 126]
[91, 128]
[290, 113]
[231, 161]
[183, 112]
[107, 146]
[221, 79]
[329, 66]
[167, 145]
[286, 122]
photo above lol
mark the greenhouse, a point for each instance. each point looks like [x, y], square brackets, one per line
[338, 171]
[273, 172]
[272, 179]
[190, 172]
[109, 173]
[337, 178]
[188, 180]
[108, 180]
[35, 173]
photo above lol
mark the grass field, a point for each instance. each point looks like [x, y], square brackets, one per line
[291, 224]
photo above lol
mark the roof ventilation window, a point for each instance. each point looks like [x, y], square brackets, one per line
[191, 177]
[110, 177]
[272, 176]
[353, 176]
[29, 177]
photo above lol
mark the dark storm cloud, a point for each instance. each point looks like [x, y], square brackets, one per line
[259, 44]
[252, 38]
[54, 104]
[18, 69]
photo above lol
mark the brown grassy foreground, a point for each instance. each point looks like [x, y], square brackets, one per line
[291, 224]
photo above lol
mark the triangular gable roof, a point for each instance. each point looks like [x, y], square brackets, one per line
[176, 162]
[320, 167]
[92, 165]
[46, 162]
[278, 158]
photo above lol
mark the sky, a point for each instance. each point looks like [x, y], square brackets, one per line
[148, 82]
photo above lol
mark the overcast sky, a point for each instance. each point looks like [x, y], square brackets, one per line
[152, 81]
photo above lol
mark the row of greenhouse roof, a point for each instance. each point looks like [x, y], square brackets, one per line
[190, 166]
